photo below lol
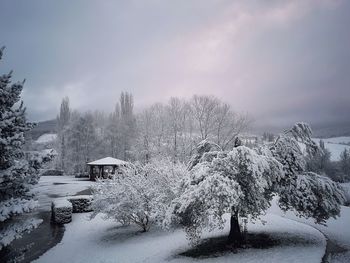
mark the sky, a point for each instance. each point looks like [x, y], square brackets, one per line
[278, 61]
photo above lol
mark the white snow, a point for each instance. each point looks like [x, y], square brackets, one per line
[108, 161]
[46, 138]
[61, 202]
[335, 145]
[106, 241]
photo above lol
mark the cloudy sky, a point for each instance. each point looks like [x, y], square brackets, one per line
[280, 61]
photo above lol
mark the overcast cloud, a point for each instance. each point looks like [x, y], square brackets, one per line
[281, 61]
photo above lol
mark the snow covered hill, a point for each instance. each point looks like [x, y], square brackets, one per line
[46, 138]
[336, 145]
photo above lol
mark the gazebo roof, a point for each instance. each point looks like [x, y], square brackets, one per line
[107, 161]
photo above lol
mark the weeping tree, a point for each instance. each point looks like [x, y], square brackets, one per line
[238, 182]
[243, 181]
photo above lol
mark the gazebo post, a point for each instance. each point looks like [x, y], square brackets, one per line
[90, 171]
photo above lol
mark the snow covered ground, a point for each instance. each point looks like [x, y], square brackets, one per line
[98, 240]
[50, 187]
[105, 241]
[335, 145]
[337, 230]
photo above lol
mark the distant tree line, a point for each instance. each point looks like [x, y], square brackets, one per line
[170, 129]
[321, 163]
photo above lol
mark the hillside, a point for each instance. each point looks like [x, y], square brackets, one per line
[42, 128]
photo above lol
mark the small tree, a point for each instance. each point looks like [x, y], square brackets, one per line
[18, 171]
[141, 195]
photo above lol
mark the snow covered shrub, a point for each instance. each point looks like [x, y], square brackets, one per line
[141, 195]
[81, 203]
[19, 171]
[61, 210]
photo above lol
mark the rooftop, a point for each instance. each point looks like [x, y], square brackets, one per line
[108, 161]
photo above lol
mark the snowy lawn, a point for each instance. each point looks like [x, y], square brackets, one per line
[50, 187]
[105, 241]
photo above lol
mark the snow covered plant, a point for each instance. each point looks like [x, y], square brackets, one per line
[18, 171]
[141, 195]
[306, 193]
[238, 182]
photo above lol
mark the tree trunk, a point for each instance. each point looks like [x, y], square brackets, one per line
[235, 237]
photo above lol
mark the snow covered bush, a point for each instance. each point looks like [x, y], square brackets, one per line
[81, 203]
[19, 171]
[141, 195]
[61, 210]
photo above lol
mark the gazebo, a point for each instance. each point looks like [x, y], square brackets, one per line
[97, 168]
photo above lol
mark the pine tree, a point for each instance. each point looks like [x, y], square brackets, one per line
[18, 171]
[63, 121]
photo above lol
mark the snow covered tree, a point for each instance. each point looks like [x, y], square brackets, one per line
[81, 137]
[319, 162]
[113, 133]
[18, 171]
[128, 124]
[238, 182]
[344, 164]
[62, 124]
[243, 181]
[141, 195]
[306, 193]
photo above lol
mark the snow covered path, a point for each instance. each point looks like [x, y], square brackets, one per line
[336, 230]
[105, 241]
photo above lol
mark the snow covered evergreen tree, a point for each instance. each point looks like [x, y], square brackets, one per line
[18, 171]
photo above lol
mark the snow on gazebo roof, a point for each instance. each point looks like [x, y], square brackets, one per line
[108, 161]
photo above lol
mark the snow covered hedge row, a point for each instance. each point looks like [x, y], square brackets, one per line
[62, 208]
[62, 211]
[81, 203]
